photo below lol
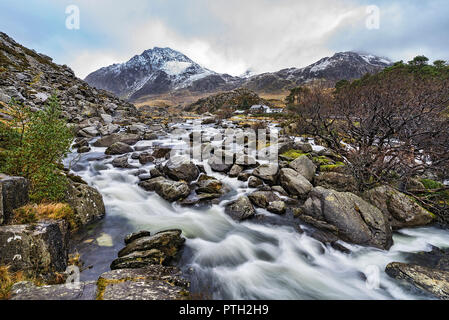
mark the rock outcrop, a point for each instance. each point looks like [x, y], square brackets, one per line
[13, 195]
[36, 249]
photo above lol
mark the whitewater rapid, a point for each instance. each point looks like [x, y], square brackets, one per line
[225, 259]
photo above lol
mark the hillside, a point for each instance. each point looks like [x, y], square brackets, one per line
[31, 78]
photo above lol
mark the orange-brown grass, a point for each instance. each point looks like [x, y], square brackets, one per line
[7, 280]
[33, 213]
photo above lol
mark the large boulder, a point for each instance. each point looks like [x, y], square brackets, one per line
[355, 220]
[401, 209]
[294, 183]
[151, 283]
[127, 138]
[181, 168]
[86, 202]
[304, 166]
[41, 248]
[241, 209]
[167, 189]
[267, 172]
[13, 195]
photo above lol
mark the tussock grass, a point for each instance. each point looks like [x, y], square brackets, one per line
[32, 213]
[7, 280]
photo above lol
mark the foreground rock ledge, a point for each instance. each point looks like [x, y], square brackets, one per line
[151, 283]
[433, 281]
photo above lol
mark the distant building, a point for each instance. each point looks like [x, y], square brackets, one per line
[265, 109]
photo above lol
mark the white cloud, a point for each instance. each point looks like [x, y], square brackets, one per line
[235, 35]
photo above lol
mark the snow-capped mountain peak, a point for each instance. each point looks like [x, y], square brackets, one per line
[155, 70]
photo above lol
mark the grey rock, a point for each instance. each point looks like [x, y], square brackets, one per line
[294, 183]
[126, 138]
[356, 220]
[167, 189]
[304, 166]
[402, 210]
[277, 207]
[169, 242]
[150, 283]
[86, 202]
[432, 281]
[241, 209]
[40, 248]
[336, 181]
[122, 162]
[181, 168]
[28, 291]
[262, 199]
[13, 195]
[235, 171]
[254, 182]
[267, 172]
[118, 148]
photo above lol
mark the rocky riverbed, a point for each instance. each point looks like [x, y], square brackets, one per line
[253, 229]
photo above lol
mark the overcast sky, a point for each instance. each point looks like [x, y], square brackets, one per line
[228, 36]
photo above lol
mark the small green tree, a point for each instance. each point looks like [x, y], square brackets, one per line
[419, 61]
[38, 141]
[439, 64]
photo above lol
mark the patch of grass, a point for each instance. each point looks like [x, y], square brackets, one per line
[33, 213]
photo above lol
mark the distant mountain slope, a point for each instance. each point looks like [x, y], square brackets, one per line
[160, 71]
[343, 65]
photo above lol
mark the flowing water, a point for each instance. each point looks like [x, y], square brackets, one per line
[225, 259]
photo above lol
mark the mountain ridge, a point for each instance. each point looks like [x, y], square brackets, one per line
[161, 71]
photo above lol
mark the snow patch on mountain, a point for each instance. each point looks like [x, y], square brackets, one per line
[174, 68]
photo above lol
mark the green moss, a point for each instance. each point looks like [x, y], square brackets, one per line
[431, 184]
[322, 160]
[294, 154]
[331, 167]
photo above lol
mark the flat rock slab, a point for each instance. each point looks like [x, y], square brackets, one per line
[28, 291]
[152, 283]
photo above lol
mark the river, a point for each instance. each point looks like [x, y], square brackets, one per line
[224, 259]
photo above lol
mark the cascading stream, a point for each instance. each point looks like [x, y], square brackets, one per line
[225, 259]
